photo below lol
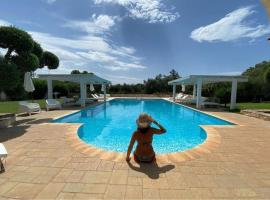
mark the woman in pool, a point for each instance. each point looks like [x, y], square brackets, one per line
[144, 136]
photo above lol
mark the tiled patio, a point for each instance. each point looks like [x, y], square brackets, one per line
[43, 164]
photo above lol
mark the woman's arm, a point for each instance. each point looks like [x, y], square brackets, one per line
[130, 146]
[161, 129]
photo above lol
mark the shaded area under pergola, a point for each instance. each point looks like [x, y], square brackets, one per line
[198, 80]
[82, 79]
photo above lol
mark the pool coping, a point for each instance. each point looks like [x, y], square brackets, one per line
[211, 142]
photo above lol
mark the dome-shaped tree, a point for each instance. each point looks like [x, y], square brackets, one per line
[15, 40]
[50, 60]
[267, 75]
[23, 55]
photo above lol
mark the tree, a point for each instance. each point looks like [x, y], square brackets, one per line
[26, 62]
[23, 55]
[37, 50]
[223, 92]
[9, 76]
[28, 54]
[267, 76]
[160, 83]
[75, 71]
[15, 40]
[50, 60]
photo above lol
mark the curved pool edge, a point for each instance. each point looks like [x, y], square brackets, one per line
[212, 141]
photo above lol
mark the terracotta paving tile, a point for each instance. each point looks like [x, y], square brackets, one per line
[244, 192]
[176, 181]
[134, 192]
[235, 165]
[160, 183]
[24, 177]
[73, 187]
[115, 192]
[24, 191]
[171, 194]
[105, 166]
[151, 194]
[43, 179]
[94, 188]
[87, 196]
[65, 195]
[263, 192]
[134, 181]
[202, 193]
[222, 192]
[63, 175]
[75, 176]
[51, 191]
[19, 168]
[5, 187]
[119, 177]
[96, 177]
[192, 180]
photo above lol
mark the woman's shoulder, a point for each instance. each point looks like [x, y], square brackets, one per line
[135, 132]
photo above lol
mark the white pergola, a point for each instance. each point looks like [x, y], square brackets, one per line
[198, 80]
[82, 79]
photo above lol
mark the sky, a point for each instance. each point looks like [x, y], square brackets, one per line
[128, 41]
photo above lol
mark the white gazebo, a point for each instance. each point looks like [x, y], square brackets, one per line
[82, 79]
[198, 80]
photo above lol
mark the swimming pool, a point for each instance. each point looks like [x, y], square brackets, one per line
[110, 125]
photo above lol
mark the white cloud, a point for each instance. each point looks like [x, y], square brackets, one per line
[4, 23]
[97, 24]
[51, 1]
[89, 50]
[121, 79]
[232, 27]
[84, 43]
[153, 11]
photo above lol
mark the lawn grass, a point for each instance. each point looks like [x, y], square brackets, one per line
[12, 106]
[244, 106]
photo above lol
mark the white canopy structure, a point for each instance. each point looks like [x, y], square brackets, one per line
[82, 79]
[198, 80]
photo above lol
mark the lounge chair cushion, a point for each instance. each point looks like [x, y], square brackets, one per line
[3, 151]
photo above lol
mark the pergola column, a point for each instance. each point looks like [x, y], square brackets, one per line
[83, 93]
[174, 91]
[104, 92]
[199, 93]
[233, 94]
[194, 90]
[50, 89]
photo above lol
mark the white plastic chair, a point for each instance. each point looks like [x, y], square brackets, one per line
[3, 155]
[53, 104]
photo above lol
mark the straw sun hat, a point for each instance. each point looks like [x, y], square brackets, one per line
[143, 121]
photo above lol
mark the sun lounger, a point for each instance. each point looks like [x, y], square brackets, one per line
[67, 100]
[3, 155]
[90, 100]
[95, 96]
[26, 107]
[53, 104]
[102, 95]
[194, 100]
[182, 99]
[179, 96]
[210, 104]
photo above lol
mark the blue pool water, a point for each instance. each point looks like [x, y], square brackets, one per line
[110, 125]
